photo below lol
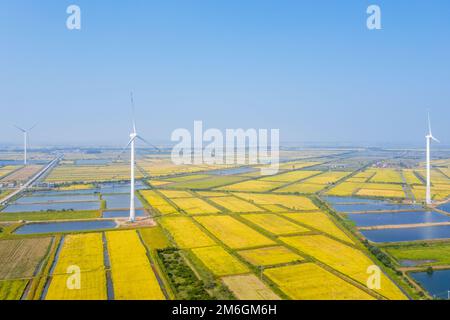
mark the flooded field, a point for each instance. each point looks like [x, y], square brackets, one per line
[53, 206]
[436, 283]
[120, 201]
[39, 228]
[56, 198]
[407, 234]
[121, 213]
[367, 207]
[445, 207]
[397, 218]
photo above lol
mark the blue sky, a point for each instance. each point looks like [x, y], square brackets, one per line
[310, 68]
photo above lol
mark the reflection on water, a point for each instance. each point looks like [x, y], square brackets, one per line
[53, 206]
[437, 283]
[407, 234]
[37, 228]
[120, 201]
[121, 213]
[395, 218]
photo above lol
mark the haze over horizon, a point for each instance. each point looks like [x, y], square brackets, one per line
[311, 69]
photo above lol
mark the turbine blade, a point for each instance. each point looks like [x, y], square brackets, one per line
[126, 147]
[429, 124]
[435, 139]
[32, 127]
[132, 112]
[150, 144]
[19, 128]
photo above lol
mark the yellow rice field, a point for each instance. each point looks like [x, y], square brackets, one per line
[234, 204]
[86, 252]
[185, 233]
[288, 201]
[274, 223]
[252, 185]
[410, 177]
[327, 177]
[233, 233]
[270, 256]
[195, 206]
[132, 274]
[90, 173]
[386, 175]
[345, 259]
[290, 176]
[173, 194]
[301, 187]
[321, 222]
[249, 287]
[158, 202]
[308, 281]
[219, 262]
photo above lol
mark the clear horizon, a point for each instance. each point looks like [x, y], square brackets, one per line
[311, 69]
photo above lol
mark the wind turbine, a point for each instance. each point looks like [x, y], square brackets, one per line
[133, 136]
[25, 141]
[429, 137]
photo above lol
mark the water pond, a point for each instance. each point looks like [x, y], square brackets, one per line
[39, 228]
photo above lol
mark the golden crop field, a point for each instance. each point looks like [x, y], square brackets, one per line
[249, 287]
[381, 193]
[23, 174]
[386, 175]
[154, 238]
[6, 170]
[173, 194]
[219, 262]
[85, 251]
[327, 177]
[233, 233]
[195, 206]
[437, 177]
[132, 274]
[79, 186]
[438, 192]
[233, 204]
[345, 259]
[290, 176]
[158, 183]
[159, 167]
[274, 223]
[158, 202]
[185, 233]
[288, 201]
[308, 281]
[252, 185]
[345, 189]
[269, 256]
[295, 165]
[273, 208]
[91, 173]
[410, 177]
[208, 194]
[301, 187]
[321, 222]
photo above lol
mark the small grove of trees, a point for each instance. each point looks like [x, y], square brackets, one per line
[185, 283]
[380, 255]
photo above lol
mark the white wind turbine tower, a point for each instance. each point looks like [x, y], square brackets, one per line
[131, 144]
[25, 141]
[429, 137]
